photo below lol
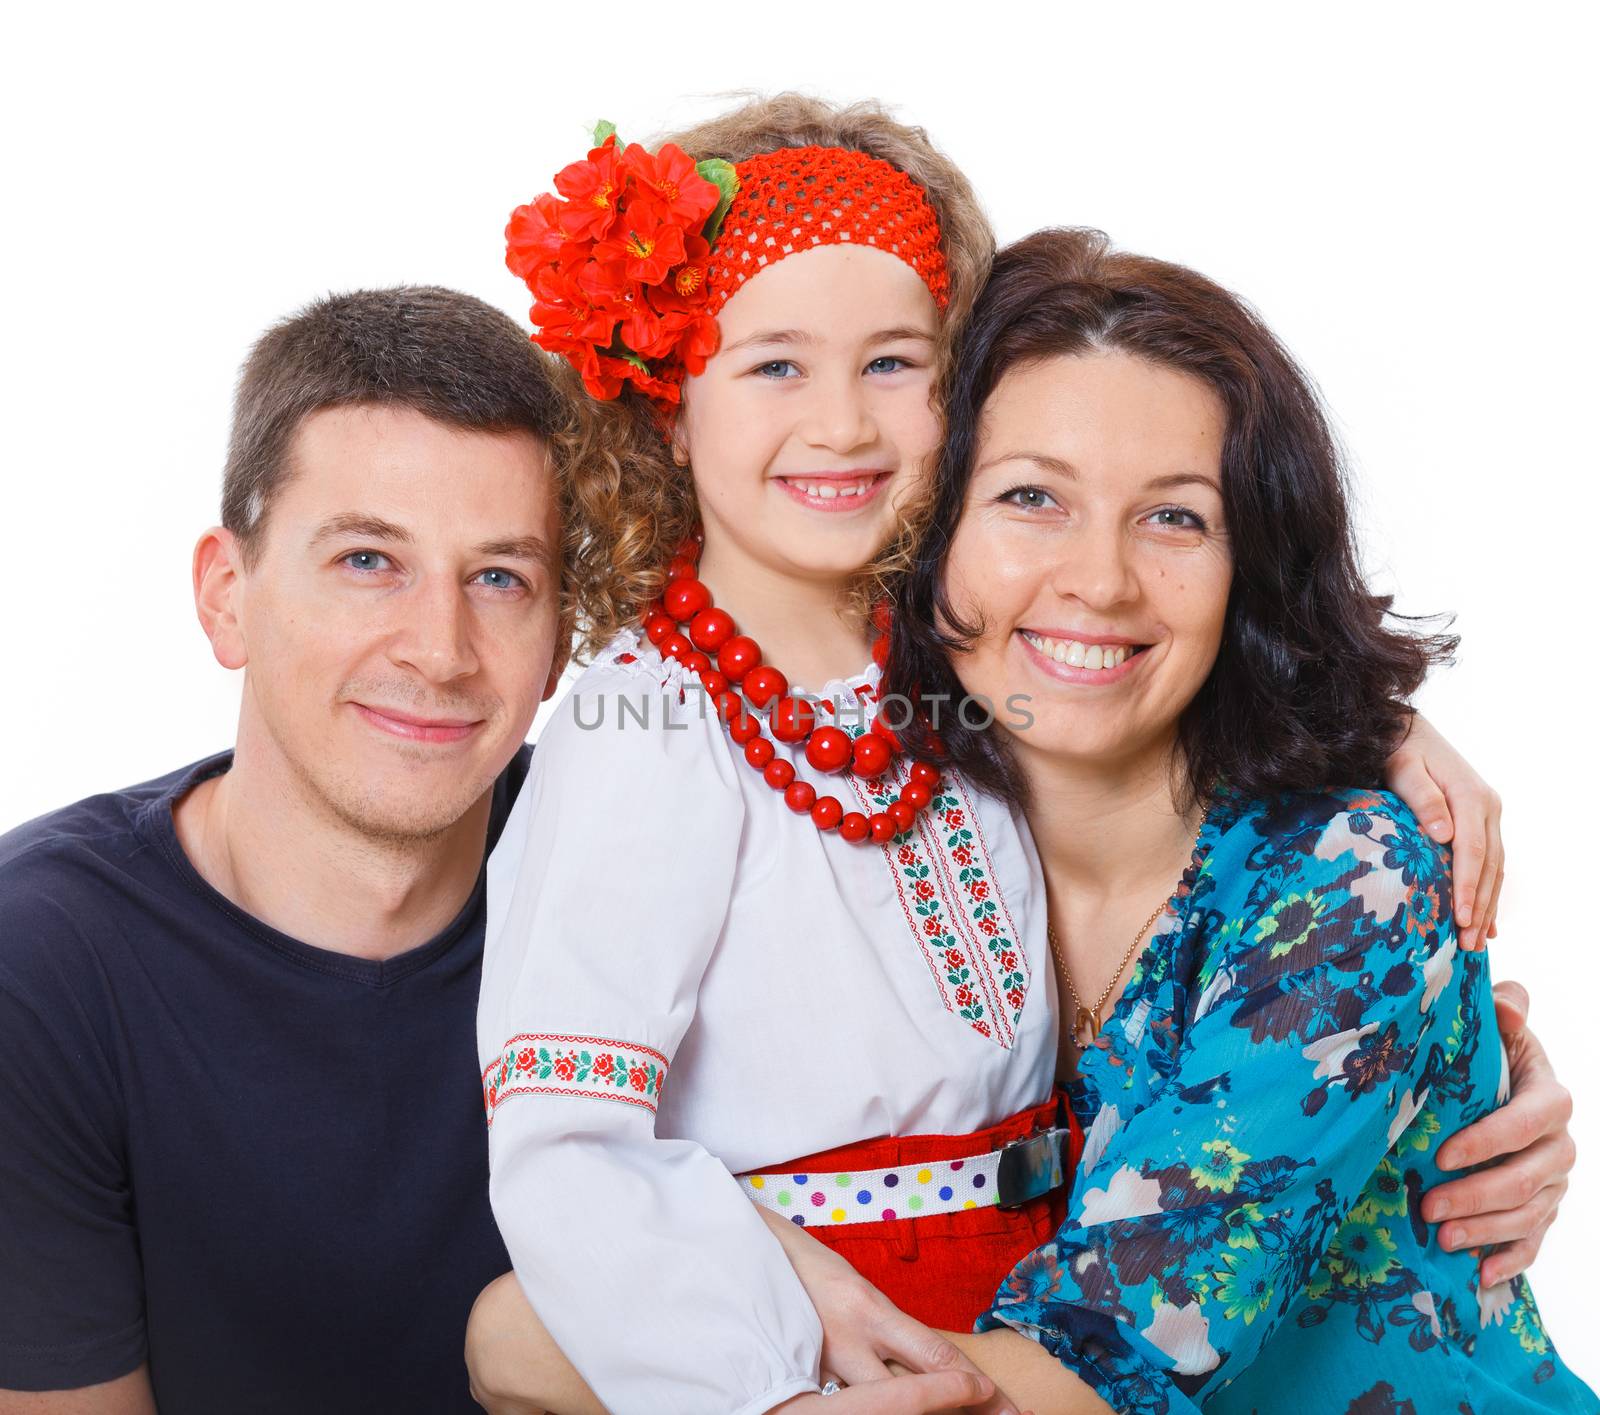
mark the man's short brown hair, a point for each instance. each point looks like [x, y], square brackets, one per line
[438, 352]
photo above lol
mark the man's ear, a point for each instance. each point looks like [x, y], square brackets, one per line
[218, 573]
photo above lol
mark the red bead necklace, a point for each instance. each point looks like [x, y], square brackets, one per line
[706, 631]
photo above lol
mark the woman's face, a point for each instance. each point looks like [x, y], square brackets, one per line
[1092, 550]
[813, 422]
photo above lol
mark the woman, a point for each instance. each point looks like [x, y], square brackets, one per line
[1151, 542]
[892, 994]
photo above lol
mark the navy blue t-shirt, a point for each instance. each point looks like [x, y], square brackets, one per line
[259, 1165]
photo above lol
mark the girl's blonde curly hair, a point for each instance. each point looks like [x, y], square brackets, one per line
[625, 504]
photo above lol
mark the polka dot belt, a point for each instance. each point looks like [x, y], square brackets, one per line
[1005, 1178]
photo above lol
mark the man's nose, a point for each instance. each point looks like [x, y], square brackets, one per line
[435, 636]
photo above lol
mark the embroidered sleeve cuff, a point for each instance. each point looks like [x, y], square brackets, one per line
[545, 1064]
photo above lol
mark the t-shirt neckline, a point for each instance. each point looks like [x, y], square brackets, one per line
[155, 824]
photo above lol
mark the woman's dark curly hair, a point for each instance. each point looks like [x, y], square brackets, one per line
[1311, 682]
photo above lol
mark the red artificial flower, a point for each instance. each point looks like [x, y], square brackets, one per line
[593, 189]
[664, 388]
[684, 292]
[698, 343]
[647, 248]
[667, 185]
[533, 238]
[644, 333]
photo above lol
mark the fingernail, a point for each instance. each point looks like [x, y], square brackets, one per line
[1452, 1238]
[1437, 828]
[1440, 1210]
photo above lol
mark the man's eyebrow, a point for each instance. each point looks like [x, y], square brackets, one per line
[517, 548]
[355, 523]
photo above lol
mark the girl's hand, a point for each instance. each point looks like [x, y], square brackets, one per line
[1454, 803]
[1513, 1202]
[862, 1331]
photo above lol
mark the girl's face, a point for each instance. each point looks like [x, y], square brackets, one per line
[813, 422]
[1092, 549]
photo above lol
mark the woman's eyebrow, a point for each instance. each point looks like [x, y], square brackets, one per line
[1040, 459]
[1173, 479]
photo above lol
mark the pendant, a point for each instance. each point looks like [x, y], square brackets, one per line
[1086, 1028]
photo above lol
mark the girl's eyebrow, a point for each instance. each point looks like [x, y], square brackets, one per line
[801, 336]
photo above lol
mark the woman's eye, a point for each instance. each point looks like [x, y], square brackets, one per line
[1030, 498]
[500, 579]
[889, 363]
[1179, 518]
[367, 561]
[778, 368]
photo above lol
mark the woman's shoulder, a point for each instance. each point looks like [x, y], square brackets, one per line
[1355, 838]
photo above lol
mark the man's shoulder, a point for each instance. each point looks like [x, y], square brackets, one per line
[61, 871]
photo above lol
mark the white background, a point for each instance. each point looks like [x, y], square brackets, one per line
[1403, 191]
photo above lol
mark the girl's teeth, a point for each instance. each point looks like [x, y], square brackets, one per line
[828, 491]
[1076, 655]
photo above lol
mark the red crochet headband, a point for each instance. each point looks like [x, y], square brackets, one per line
[630, 263]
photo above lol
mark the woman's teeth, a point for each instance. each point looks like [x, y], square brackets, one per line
[830, 490]
[1076, 655]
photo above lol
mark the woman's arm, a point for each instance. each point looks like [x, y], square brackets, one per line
[1511, 1203]
[1198, 1223]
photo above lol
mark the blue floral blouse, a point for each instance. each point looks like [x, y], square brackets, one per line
[1263, 1111]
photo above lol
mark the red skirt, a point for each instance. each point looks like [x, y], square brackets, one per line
[945, 1269]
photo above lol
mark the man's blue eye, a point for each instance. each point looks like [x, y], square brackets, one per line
[500, 579]
[366, 560]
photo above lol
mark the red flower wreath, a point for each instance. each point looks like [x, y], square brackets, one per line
[617, 265]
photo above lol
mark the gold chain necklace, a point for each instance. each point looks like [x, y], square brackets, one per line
[1088, 1021]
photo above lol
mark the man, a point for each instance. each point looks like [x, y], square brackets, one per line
[242, 1155]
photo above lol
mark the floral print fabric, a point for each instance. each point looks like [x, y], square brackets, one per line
[1263, 1113]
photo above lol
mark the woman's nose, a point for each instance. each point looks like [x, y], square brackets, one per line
[1097, 569]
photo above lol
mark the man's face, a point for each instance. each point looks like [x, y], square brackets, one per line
[400, 624]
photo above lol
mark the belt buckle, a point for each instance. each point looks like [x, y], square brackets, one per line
[1029, 1168]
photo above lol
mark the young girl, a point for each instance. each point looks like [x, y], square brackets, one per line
[712, 873]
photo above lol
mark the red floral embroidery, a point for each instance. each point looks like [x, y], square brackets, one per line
[538, 1064]
[943, 871]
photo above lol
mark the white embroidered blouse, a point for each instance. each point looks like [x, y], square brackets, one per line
[656, 910]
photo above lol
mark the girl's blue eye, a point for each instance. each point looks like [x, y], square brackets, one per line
[876, 366]
[502, 579]
[767, 370]
[366, 561]
[1030, 498]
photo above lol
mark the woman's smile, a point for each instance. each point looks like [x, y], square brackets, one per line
[1096, 660]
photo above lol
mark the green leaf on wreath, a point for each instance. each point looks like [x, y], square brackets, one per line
[602, 131]
[722, 176]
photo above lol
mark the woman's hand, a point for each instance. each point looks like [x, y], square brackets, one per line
[1454, 803]
[862, 1331]
[1514, 1201]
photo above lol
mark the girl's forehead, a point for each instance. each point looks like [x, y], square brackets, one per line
[830, 291]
